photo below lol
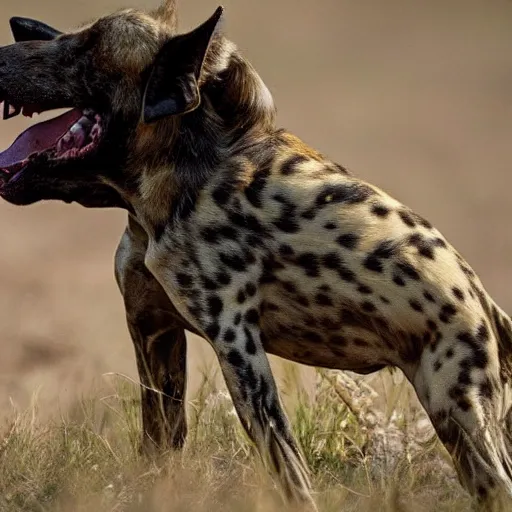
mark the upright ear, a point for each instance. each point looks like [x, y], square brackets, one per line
[26, 29]
[172, 87]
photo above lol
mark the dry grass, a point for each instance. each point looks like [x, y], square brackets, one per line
[365, 453]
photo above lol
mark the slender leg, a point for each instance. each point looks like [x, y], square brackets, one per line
[248, 375]
[464, 402]
[159, 342]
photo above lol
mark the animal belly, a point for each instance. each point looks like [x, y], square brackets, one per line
[323, 341]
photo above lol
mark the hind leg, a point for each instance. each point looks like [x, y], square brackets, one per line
[458, 383]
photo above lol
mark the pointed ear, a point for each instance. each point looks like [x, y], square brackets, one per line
[26, 29]
[172, 87]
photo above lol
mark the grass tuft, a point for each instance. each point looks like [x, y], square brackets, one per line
[366, 450]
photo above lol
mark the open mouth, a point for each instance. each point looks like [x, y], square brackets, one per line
[74, 134]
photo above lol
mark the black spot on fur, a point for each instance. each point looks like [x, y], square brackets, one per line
[215, 306]
[365, 290]
[229, 335]
[431, 325]
[383, 299]
[486, 389]
[439, 242]
[250, 346]
[385, 249]
[351, 193]
[235, 359]
[464, 378]
[429, 296]
[287, 221]
[184, 280]
[482, 334]
[240, 297]
[221, 195]
[449, 353]
[368, 306]
[423, 244]
[330, 225]
[309, 262]
[339, 168]
[479, 357]
[254, 240]
[247, 221]
[303, 301]
[309, 214]
[482, 492]
[332, 260]
[209, 235]
[346, 274]
[223, 278]
[289, 287]
[380, 210]
[255, 189]
[209, 284]
[421, 221]
[416, 305]
[290, 165]
[464, 404]
[267, 276]
[372, 263]
[398, 280]
[407, 218]
[286, 250]
[250, 377]
[252, 316]
[466, 269]
[437, 366]
[447, 312]
[456, 392]
[408, 270]
[234, 261]
[348, 240]
[249, 256]
[349, 317]
[323, 300]
[237, 319]
[250, 289]
[212, 331]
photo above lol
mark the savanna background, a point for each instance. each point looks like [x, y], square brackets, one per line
[415, 96]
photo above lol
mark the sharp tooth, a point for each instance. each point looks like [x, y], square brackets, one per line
[10, 110]
[27, 112]
[76, 128]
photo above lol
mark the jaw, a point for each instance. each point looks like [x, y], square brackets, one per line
[59, 159]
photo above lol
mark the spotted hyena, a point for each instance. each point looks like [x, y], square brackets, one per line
[243, 234]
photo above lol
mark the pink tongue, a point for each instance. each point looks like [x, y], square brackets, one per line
[39, 137]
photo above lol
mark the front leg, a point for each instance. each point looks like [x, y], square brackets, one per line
[229, 319]
[249, 379]
[159, 342]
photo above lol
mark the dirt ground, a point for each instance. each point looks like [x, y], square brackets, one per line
[414, 96]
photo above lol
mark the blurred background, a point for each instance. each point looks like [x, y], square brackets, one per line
[415, 96]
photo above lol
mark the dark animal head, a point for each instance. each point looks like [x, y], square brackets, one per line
[145, 104]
